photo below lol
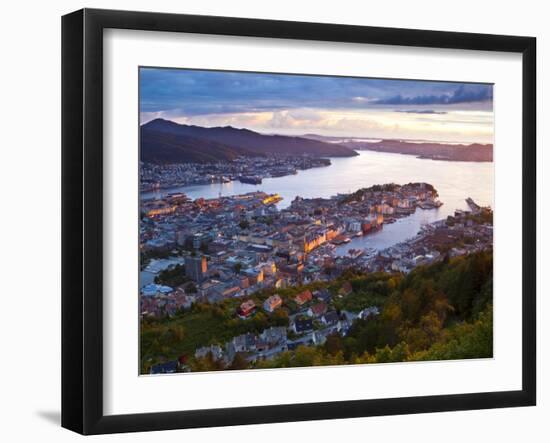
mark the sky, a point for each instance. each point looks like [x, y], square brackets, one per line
[324, 105]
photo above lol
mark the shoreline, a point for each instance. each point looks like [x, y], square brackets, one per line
[325, 163]
[427, 156]
[154, 194]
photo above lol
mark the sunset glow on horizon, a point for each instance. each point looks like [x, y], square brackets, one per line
[329, 106]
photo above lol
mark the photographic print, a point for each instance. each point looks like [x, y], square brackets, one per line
[292, 220]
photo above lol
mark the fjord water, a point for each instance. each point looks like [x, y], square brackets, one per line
[455, 181]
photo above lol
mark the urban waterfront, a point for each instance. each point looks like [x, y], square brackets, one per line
[454, 181]
[294, 221]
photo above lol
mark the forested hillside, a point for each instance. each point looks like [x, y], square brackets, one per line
[437, 312]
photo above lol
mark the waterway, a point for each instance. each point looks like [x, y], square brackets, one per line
[454, 181]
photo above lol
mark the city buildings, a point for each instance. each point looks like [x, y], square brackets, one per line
[244, 248]
[195, 268]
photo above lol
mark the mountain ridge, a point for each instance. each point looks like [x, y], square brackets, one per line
[164, 141]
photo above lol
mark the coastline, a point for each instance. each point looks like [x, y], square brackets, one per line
[437, 157]
[317, 162]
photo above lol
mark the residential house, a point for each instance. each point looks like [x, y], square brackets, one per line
[323, 295]
[303, 297]
[350, 316]
[368, 312]
[244, 343]
[272, 303]
[274, 335]
[303, 325]
[330, 318]
[246, 309]
[317, 309]
[215, 350]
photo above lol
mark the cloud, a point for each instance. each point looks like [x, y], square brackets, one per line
[462, 94]
[360, 99]
[195, 92]
[420, 111]
[296, 104]
[459, 126]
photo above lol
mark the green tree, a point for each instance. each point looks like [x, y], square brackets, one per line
[207, 363]
[334, 344]
[239, 362]
[173, 276]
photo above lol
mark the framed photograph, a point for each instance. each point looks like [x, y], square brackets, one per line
[269, 221]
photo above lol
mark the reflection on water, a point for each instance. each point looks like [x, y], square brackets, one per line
[455, 181]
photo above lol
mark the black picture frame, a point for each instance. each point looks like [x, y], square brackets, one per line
[82, 215]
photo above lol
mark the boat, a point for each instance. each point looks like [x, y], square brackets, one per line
[252, 179]
[340, 240]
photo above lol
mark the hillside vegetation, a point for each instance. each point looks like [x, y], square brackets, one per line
[437, 312]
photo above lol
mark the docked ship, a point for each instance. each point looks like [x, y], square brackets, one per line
[429, 204]
[272, 199]
[340, 240]
[251, 179]
[283, 172]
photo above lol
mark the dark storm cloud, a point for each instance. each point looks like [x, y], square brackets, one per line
[462, 94]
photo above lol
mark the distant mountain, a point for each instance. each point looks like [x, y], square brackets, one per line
[475, 152]
[164, 141]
